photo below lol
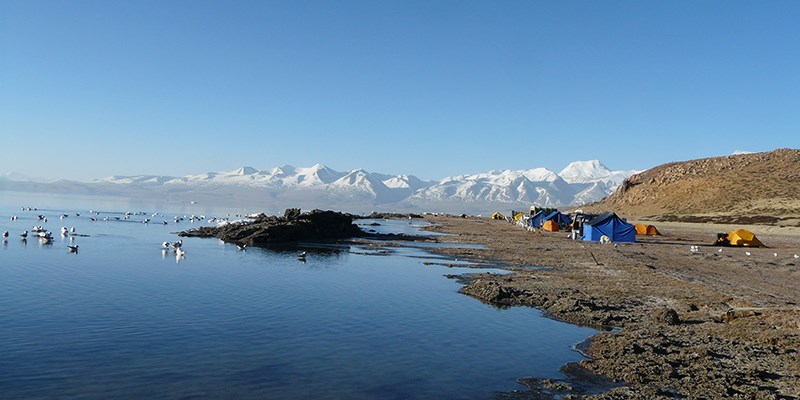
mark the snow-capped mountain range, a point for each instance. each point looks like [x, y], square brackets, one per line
[358, 190]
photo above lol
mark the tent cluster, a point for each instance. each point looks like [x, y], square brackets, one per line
[553, 222]
[588, 227]
[608, 227]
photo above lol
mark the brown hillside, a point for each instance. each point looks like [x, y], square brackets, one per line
[749, 188]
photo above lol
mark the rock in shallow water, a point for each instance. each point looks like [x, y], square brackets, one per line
[294, 226]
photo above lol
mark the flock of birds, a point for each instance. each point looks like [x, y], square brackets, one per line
[46, 237]
[696, 249]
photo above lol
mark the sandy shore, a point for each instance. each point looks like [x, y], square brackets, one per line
[705, 324]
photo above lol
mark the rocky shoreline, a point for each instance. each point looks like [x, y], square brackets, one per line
[696, 325]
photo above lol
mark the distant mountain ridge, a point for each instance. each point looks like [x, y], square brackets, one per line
[358, 189]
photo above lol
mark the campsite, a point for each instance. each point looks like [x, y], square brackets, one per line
[683, 312]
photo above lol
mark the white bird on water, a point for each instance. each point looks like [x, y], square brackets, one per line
[72, 249]
[5, 234]
[179, 252]
[24, 235]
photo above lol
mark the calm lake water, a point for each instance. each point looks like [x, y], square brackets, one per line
[121, 319]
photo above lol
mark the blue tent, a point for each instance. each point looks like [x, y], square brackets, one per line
[537, 219]
[559, 218]
[609, 224]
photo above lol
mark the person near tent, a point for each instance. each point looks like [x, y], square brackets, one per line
[576, 226]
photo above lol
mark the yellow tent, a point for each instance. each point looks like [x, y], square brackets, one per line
[643, 229]
[550, 226]
[742, 237]
[518, 216]
[497, 215]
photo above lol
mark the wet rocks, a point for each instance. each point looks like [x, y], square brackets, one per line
[294, 226]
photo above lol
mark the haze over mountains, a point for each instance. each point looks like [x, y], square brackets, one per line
[361, 191]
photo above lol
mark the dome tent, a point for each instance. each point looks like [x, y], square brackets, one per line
[739, 237]
[609, 224]
[644, 229]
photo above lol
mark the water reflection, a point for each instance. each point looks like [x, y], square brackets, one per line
[352, 321]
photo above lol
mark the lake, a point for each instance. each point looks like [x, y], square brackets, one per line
[123, 319]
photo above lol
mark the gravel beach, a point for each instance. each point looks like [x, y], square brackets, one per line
[717, 322]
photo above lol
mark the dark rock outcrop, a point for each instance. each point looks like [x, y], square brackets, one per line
[294, 226]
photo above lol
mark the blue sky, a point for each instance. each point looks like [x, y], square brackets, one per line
[431, 88]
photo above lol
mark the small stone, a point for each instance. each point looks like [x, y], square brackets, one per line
[666, 315]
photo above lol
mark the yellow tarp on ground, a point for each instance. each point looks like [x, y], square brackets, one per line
[550, 226]
[643, 229]
[497, 215]
[743, 237]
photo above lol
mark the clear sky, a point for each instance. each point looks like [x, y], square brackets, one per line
[431, 88]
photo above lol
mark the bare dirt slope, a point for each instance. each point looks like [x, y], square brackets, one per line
[755, 188]
[705, 324]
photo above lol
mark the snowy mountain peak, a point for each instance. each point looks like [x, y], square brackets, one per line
[540, 175]
[584, 171]
[244, 171]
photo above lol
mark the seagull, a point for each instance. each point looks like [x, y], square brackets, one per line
[72, 249]
[64, 231]
[179, 252]
[72, 230]
[178, 244]
[241, 247]
[796, 256]
[165, 245]
[5, 234]
[720, 250]
[747, 252]
[302, 256]
[24, 234]
[775, 254]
